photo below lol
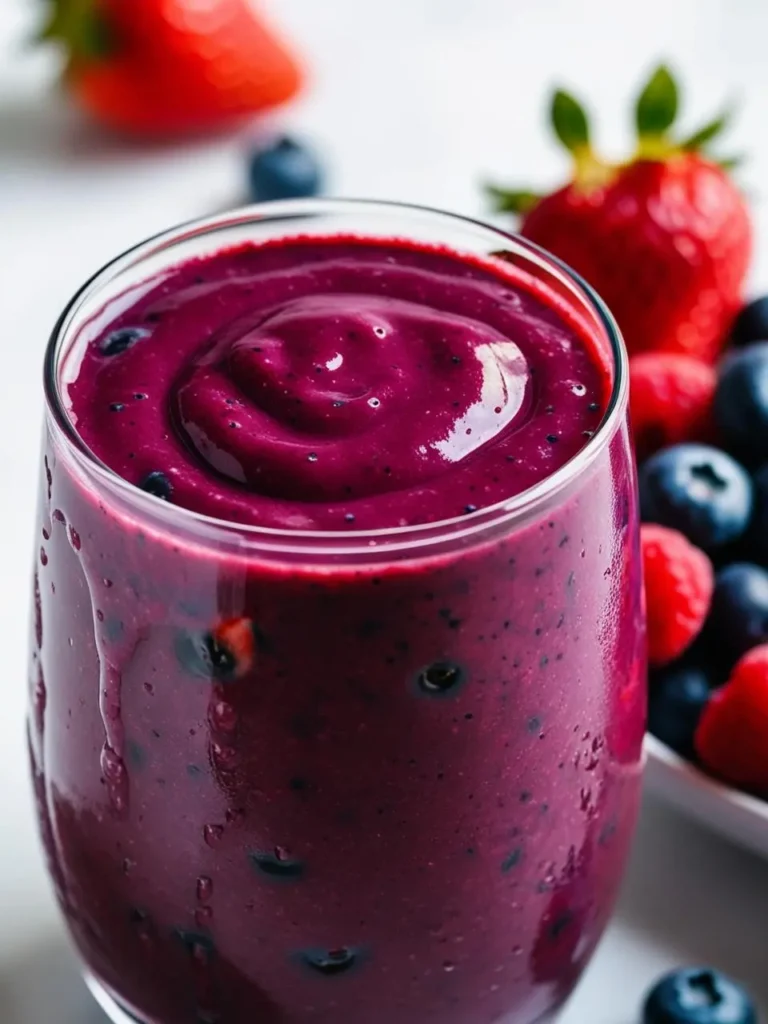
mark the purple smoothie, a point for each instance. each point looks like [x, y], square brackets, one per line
[286, 786]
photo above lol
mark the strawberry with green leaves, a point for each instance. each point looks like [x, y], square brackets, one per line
[665, 238]
[169, 67]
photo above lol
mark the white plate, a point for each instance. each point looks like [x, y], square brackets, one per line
[737, 816]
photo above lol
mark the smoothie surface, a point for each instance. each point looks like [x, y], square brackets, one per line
[336, 384]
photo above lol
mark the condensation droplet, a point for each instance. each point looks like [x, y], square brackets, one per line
[223, 716]
[212, 834]
[204, 889]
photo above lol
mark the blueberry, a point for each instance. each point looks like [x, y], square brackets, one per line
[677, 698]
[739, 615]
[158, 484]
[277, 865]
[698, 490]
[204, 655]
[440, 678]
[120, 340]
[330, 962]
[741, 403]
[757, 539]
[751, 324]
[698, 995]
[287, 169]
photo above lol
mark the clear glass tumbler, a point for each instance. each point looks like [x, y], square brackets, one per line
[423, 821]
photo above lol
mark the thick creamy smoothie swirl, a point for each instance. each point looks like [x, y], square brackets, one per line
[309, 399]
[337, 384]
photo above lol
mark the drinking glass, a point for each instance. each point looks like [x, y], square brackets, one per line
[411, 798]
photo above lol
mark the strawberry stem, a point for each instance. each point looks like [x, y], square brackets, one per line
[504, 200]
[569, 120]
[80, 27]
[700, 139]
[656, 106]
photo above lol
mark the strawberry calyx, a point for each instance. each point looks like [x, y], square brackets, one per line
[655, 114]
[81, 28]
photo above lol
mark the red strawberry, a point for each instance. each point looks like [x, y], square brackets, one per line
[664, 238]
[670, 400]
[678, 591]
[732, 735]
[166, 67]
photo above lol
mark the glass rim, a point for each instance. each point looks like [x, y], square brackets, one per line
[403, 540]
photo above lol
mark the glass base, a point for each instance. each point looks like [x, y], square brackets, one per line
[119, 1015]
[115, 1013]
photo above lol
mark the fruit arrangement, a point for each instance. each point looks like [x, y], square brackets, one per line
[164, 68]
[665, 238]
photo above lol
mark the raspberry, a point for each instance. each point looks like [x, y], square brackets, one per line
[732, 735]
[671, 399]
[678, 590]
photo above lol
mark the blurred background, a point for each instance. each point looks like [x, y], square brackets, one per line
[415, 100]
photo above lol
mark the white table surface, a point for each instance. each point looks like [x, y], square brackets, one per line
[412, 100]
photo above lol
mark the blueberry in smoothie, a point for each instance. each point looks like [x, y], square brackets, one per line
[329, 722]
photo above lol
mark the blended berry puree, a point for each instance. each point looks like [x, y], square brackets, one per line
[338, 384]
[280, 787]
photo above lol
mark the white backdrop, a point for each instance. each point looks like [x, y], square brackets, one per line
[413, 100]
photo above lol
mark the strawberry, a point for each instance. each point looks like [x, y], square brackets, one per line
[671, 400]
[665, 238]
[679, 581]
[732, 735]
[168, 67]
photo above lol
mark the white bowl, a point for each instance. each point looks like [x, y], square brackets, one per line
[735, 815]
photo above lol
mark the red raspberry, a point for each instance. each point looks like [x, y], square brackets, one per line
[670, 399]
[732, 735]
[678, 590]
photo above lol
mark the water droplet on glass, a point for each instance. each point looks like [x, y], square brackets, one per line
[128, 865]
[223, 716]
[74, 538]
[224, 757]
[204, 889]
[100, 615]
[312, 457]
[212, 834]
[448, 967]
[579, 390]
[374, 403]
[116, 778]
[43, 557]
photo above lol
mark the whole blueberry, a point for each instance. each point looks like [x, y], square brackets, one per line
[677, 698]
[738, 619]
[286, 169]
[757, 539]
[698, 490]
[121, 340]
[698, 995]
[158, 484]
[741, 403]
[751, 324]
